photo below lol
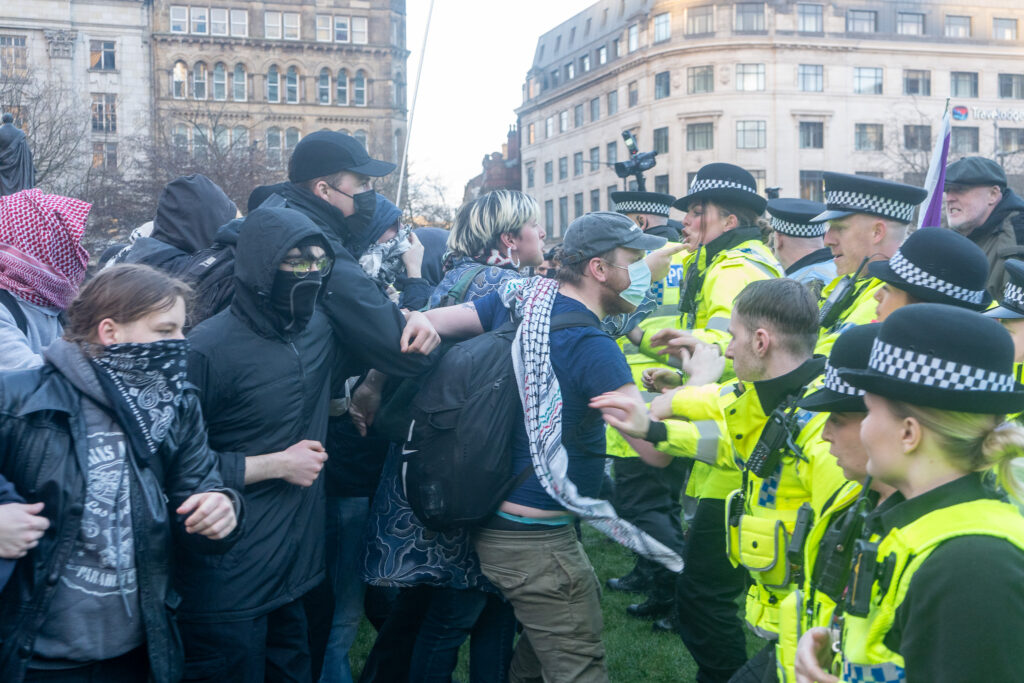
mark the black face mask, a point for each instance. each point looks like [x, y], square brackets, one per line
[294, 298]
[358, 223]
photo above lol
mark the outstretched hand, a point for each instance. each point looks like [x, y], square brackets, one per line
[624, 413]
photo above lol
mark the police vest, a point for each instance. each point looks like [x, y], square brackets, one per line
[861, 311]
[901, 553]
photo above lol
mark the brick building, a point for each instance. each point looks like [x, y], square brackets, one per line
[500, 170]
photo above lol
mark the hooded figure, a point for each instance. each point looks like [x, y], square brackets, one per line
[264, 369]
[17, 172]
[190, 210]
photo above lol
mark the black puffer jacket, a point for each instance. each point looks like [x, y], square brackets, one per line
[42, 452]
[262, 390]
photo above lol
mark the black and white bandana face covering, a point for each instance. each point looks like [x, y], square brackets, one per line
[382, 261]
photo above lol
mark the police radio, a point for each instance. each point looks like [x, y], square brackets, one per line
[840, 298]
[776, 438]
[832, 569]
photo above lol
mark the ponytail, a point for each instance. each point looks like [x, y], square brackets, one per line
[1003, 450]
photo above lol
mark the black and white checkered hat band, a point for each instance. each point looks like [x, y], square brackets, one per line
[915, 276]
[859, 202]
[702, 184]
[798, 229]
[835, 383]
[1014, 294]
[920, 368]
[630, 206]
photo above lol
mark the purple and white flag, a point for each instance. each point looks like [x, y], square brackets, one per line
[929, 215]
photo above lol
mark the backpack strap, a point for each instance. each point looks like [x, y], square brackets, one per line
[8, 301]
[457, 294]
[564, 321]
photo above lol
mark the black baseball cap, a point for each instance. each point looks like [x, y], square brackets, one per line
[326, 152]
[601, 231]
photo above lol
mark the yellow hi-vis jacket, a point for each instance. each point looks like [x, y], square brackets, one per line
[861, 311]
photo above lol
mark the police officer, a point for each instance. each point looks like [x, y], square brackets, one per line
[936, 592]
[933, 265]
[868, 219]
[1010, 312]
[797, 241]
[649, 210]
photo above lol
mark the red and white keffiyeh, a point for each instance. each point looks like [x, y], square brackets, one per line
[42, 259]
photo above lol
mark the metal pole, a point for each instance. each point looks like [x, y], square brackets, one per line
[412, 110]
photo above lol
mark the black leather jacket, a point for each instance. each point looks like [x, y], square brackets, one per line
[42, 452]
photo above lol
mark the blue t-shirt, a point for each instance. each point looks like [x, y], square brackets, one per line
[587, 363]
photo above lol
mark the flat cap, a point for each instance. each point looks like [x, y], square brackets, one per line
[975, 171]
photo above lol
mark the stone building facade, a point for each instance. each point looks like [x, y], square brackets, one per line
[785, 89]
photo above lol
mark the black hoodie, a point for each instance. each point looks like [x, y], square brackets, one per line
[261, 390]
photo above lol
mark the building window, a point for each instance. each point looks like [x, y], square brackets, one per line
[595, 109]
[218, 22]
[360, 135]
[179, 137]
[964, 140]
[577, 116]
[555, 76]
[611, 153]
[549, 127]
[529, 177]
[359, 89]
[811, 77]
[812, 185]
[595, 200]
[910, 24]
[101, 55]
[751, 134]
[179, 78]
[13, 56]
[917, 82]
[750, 76]
[179, 19]
[563, 121]
[1011, 86]
[238, 84]
[602, 55]
[700, 136]
[700, 20]
[595, 159]
[1004, 29]
[199, 81]
[963, 84]
[239, 138]
[662, 27]
[563, 168]
[577, 163]
[577, 205]
[700, 79]
[613, 102]
[584, 64]
[750, 16]
[661, 140]
[323, 87]
[240, 24]
[360, 30]
[323, 28]
[570, 71]
[861, 21]
[611, 189]
[104, 113]
[272, 29]
[810, 18]
[200, 20]
[549, 217]
[201, 143]
[917, 137]
[274, 146]
[291, 85]
[341, 88]
[633, 38]
[104, 156]
[1011, 140]
[867, 80]
[958, 26]
[867, 137]
[531, 134]
[274, 87]
[291, 25]
[661, 183]
[661, 85]
[291, 138]
[563, 214]
[341, 34]
[812, 135]
[549, 174]
[633, 91]
[220, 82]
[221, 138]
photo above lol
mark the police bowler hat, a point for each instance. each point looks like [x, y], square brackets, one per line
[725, 184]
[1011, 304]
[851, 351]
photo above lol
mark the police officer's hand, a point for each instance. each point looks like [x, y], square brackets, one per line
[660, 260]
[671, 341]
[300, 463]
[419, 336]
[704, 364]
[625, 413]
[813, 656]
[212, 514]
[660, 379]
[21, 527]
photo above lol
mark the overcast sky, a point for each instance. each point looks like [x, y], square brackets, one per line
[477, 56]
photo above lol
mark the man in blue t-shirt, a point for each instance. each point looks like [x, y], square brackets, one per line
[529, 549]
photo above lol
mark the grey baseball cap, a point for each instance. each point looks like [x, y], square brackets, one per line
[595, 233]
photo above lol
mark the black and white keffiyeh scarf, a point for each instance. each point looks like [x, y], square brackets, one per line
[531, 299]
[145, 385]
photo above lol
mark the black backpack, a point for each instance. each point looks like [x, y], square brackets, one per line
[211, 274]
[8, 301]
[457, 467]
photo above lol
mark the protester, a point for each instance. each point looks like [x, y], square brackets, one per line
[42, 264]
[108, 440]
[17, 172]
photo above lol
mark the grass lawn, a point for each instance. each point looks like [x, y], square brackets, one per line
[635, 652]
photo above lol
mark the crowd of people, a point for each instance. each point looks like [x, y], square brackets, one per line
[208, 462]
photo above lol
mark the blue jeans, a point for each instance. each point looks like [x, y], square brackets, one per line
[346, 532]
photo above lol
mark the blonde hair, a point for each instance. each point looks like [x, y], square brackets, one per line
[973, 441]
[480, 223]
